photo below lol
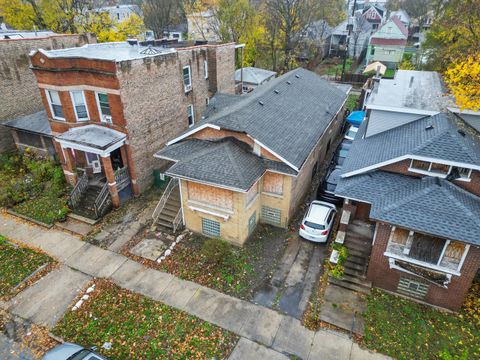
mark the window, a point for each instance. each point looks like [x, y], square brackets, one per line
[439, 168]
[79, 104]
[372, 51]
[187, 78]
[430, 168]
[55, 105]
[205, 68]
[420, 165]
[273, 183]
[210, 227]
[207, 101]
[191, 115]
[464, 173]
[104, 107]
[412, 288]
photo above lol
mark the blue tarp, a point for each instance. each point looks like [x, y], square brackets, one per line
[356, 117]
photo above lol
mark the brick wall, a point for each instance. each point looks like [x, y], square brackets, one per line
[382, 276]
[473, 185]
[221, 66]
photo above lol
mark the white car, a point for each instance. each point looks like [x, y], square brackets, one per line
[318, 221]
[350, 134]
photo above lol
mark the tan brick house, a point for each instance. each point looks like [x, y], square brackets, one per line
[110, 106]
[251, 158]
[418, 181]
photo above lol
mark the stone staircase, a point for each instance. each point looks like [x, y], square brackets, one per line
[170, 209]
[86, 205]
[358, 241]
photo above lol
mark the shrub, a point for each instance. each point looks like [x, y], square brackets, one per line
[216, 251]
[338, 270]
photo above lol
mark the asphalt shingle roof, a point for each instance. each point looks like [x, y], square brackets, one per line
[288, 114]
[430, 205]
[35, 123]
[253, 75]
[435, 136]
[227, 162]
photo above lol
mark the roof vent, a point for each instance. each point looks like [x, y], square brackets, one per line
[261, 103]
[429, 127]
[411, 81]
[150, 51]
[461, 132]
[289, 82]
[276, 91]
[297, 76]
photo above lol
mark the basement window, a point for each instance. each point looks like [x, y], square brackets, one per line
[55, 105]
[187, 78]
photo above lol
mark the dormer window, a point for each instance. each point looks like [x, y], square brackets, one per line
[439, 170]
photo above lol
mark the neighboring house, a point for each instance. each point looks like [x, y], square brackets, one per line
[387, 45]
[314, 41]
[402, 16]
[120, 12]
[19, 92]
[249, 78]
[374, 15]
[419, 183]
[421, 25]
[251, 159]
[358, 40]
[110, 106]
[176, 32]
[201, 26]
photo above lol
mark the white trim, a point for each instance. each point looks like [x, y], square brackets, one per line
[401, 110]
[375, 233]
[190, 132]
[394, 266]
[112, 184]
[440, 258]
[103, 153]
[49, 99]
[274, 153]
[78, 87]
[181, 202]
[205, 68]
[464, 255]
[190, 106]
[208, 206]
[456, 110]
[106, 119]
[280, 196]
[421, 263]
[187, 88]
[223, 216]
[74, 107]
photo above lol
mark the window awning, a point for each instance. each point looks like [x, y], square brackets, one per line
[95, 139]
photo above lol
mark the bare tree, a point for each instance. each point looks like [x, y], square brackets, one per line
[360, 25]
[160, 14]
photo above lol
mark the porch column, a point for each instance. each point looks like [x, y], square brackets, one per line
[112, 185]
[67, 163]
[131, 167]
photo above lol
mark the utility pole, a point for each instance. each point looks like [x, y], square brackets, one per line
[347, 41]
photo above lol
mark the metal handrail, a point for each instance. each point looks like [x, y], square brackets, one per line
[122, 178]
[102, 201]
[177, 222]
[163, 200]
[78, 190]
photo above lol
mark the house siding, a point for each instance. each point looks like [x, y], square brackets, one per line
[383, 277]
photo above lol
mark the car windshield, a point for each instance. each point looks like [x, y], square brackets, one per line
[314, 226]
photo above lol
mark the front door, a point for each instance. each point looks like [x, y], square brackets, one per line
[94, 161]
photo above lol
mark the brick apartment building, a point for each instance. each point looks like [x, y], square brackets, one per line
[110, 106]
[251, 159]
[20, 95]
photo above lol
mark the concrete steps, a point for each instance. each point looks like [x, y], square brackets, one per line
[86, 205]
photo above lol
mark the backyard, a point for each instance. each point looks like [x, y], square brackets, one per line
[126, 325]
[407, 330]
[32, 187]
[17, 265]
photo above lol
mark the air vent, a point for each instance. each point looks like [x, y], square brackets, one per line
[461, 132]
[261, 103]
[297, 76]
[429, 127]
[276, 91]
[289, 82]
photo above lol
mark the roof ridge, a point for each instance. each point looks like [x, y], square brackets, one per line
[227, 145]
[463, 192]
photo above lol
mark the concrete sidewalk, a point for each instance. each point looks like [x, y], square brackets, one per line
[265, 333]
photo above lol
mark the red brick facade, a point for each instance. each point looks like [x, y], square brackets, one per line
[382, 276]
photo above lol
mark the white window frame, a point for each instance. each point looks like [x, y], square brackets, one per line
[74, 107]
[190, 108]
[205, 68]
[50, 103]
[189, 86]
[429, 172]
[103, 118]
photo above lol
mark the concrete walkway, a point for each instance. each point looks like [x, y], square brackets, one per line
[265, 333]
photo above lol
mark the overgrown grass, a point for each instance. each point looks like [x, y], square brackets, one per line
[16, 264]
[406, 330]
[140, 328]
[33, 187]
[351, 103]
[334, 69]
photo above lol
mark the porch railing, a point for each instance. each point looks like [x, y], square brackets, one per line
[177, 222]
[163, 200]
[78, 190]
[103, 201]
[122, 178]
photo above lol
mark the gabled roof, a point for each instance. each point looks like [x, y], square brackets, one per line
[396, 20]
[429, 205]
[380, 34]
[433, 137]
[34, 123]
[402, 15]
[287, 115]
[226, 163]
[254, 75]
[375, 8]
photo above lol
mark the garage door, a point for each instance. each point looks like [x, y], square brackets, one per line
[271, 215]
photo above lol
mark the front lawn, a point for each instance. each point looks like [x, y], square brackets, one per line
[136, 327]
[33, 187]
[16, 264]
[407, 330]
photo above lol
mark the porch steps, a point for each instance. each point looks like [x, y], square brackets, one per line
[170, 210]
[86, 205]
[350, 286]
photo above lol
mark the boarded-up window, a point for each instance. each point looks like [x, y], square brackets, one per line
[251, 194]
[273, 183]
[453, 255]
[210, 195]
[400, 236]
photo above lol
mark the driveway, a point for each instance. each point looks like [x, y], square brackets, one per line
[289, 288]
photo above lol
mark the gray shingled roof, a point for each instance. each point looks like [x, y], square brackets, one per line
[442, 141]
[35, 123]
[227, 162]
[288, 114]
[253, 75]
[430, 205]
[220, 102]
